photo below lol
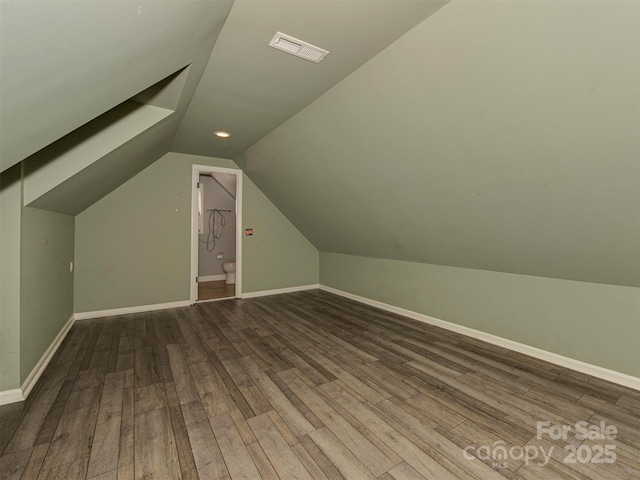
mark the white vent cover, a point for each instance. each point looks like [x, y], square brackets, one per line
[296, 47]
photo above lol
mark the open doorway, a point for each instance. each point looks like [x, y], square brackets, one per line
[216, 233]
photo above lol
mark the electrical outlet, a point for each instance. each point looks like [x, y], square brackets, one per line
[70, 267]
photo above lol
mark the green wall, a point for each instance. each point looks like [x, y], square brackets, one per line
[277, 255]
[498, 135]
[133, 246]
[10, 210]
[595, 323]
[46, 283]
[36, 286]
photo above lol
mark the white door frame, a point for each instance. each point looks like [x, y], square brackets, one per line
[195, 177]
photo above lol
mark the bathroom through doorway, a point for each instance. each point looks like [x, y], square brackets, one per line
[216, 229]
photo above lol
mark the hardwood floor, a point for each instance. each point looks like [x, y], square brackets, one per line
[306, 385]
[215, 290]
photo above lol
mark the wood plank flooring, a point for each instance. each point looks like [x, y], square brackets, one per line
[214, 290]
[306, 385]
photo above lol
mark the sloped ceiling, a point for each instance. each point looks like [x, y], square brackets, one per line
[495, 135]
[66, 62]
[249, 88]
[68, 66]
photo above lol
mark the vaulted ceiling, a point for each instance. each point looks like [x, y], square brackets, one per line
[499, 136]
[93, 92]
[492, 135]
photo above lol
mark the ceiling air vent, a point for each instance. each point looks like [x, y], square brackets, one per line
[296, 47]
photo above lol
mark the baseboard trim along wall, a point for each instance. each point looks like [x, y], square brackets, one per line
[212, 278]
[127, 310]
[35, 374]
[20, 394]
[11, 396]
[577, 365]
[278, 291]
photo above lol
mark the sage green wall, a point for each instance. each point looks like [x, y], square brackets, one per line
[277, 255]
[595, 323]
[46, 284]
[496, 135]
[133, 246]
[10, 210]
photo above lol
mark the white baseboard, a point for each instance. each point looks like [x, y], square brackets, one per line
[10, 396]
[128, 310]
[33, 377]
[20, 394]
[212, 278]
[278, 291]
[573, 364]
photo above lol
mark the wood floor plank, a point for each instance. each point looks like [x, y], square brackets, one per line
[53, 417]
[347, 377]
[206, 452]
[75, 470]
[432, 413]
[629, 403]
[155, 446]
[28, 430]
[295, 359]
[106, 440]
[379, 444]
[327, 467]
[13, 464]
[183, 446]
[126, 472]
[295, 401]
[10, 417]
[127, 426]
[74, 435]
[309, 463]
[243, 427]
[32, 469]
[420, 461]
[232, 388]
[302, 385]
[471, 436]
[183, 381]
[285, 462]
[365, 451]
[403, 471]
[235, 454]
[111, 475]
[434, 444]
[467, 407]
[125, 352]
[212, 390]
[345, 461]
[287, 434]
[256, 399]
[290, 414]
[261, 461]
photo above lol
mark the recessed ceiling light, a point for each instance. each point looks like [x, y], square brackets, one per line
[222, 133]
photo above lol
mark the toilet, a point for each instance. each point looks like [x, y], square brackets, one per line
[230, 269]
